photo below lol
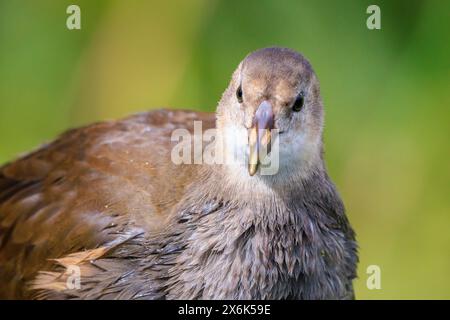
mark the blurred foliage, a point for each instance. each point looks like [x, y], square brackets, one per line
[386, 94]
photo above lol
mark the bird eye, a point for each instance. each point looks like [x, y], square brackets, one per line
[239, 94]
[298, 104]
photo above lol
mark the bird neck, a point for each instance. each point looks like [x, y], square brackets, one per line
[234, 184]
[288, 169]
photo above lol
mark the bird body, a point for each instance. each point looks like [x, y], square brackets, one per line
[106, 203]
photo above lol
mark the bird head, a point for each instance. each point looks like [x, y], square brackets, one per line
[273, 99]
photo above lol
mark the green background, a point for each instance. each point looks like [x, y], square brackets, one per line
[386, 94]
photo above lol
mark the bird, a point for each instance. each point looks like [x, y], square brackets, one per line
[104, 211]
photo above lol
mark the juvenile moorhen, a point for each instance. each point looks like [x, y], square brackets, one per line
[104, 212]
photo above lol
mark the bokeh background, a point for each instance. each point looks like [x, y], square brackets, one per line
[386, 93]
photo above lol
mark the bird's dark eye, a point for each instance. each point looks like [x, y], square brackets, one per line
[298, 104]
[239, 94]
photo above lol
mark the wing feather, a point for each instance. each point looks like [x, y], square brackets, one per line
[84, 189]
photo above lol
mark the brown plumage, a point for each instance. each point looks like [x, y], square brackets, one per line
[107, 199]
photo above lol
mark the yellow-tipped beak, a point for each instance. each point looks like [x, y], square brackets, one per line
[259, 136]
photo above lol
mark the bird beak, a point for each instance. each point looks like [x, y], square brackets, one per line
[260, 136]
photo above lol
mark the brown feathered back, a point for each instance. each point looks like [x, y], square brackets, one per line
[91, 184]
